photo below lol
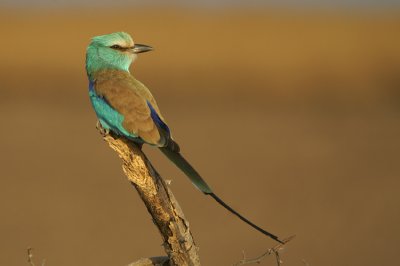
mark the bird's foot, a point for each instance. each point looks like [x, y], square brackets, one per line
[103, 131]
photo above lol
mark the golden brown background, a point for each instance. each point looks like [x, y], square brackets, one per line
[293, 117]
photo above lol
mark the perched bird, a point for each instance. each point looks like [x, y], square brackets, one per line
[127, 108]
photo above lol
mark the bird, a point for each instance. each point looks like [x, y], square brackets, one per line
[127, 108]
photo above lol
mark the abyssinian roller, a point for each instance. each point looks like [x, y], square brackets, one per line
[127, 108]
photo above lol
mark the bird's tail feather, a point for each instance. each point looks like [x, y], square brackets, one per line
[184, 165]
[226, 206]
[199, 183]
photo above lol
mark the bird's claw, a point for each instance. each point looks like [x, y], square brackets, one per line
[103, 131]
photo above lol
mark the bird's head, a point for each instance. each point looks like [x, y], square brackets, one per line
[112, 51]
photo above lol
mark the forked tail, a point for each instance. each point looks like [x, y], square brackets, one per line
[199, 183]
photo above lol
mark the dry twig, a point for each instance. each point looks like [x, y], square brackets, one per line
[30, 257]
[274, 250]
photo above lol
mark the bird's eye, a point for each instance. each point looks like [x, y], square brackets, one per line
[116, 46]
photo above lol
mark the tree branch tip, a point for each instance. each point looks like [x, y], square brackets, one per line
[30, 257]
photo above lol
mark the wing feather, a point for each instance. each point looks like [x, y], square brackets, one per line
[130, 98]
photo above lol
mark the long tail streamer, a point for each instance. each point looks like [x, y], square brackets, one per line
[226, 206]
[199, 182]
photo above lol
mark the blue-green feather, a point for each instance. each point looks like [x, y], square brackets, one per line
[109, 118]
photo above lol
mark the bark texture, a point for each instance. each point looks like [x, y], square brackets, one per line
[160, 202]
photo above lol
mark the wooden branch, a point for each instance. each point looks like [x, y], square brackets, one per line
[160, 202]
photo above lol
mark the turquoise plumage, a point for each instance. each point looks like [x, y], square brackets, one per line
[126, 107]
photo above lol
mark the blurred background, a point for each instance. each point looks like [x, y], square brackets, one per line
[290, 110]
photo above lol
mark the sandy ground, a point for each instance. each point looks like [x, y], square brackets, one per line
[292, 117]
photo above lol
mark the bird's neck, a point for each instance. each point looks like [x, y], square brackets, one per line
[96, 63]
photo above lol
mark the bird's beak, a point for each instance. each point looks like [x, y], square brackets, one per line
[141, 48]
